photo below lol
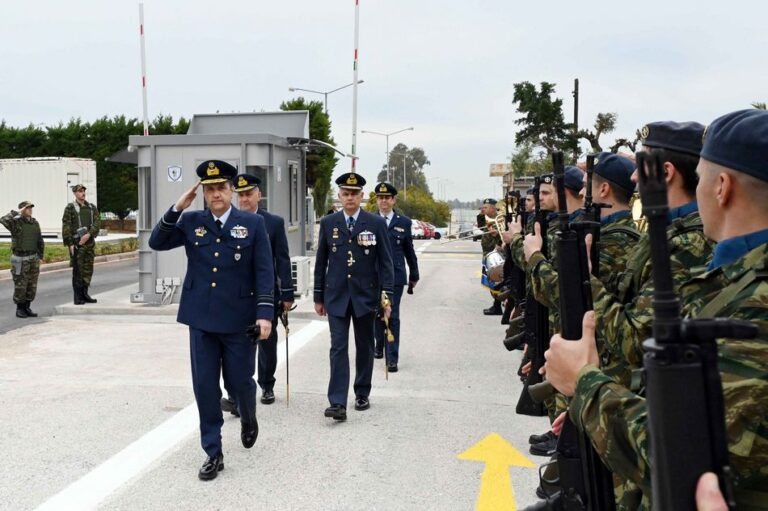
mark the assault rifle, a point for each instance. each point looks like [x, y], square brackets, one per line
[686, 421]
[536, 334]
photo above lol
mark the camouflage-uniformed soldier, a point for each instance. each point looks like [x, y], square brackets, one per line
[490, 240]
[611, 184]
[26, 253]
[79, 228]
[733, 197]
[624, 319]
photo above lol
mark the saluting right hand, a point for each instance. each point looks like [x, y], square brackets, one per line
[187, 197]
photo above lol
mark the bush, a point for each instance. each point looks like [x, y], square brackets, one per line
[56, 253]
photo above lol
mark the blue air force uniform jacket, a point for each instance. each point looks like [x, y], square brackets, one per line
[230, 278]
[402, 249]
[349, 268]
[279, 242]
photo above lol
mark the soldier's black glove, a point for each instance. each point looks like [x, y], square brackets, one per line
[253, 332]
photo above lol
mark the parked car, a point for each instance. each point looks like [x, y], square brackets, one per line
[417, 231]
[429, 232]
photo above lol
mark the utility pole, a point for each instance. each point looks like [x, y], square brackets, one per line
[575, 119]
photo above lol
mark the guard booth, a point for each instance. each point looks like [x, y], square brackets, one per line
[256, 144]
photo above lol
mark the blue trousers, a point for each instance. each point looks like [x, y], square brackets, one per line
[393, 348]
[210, 354]
[338, 387]
[268, 357]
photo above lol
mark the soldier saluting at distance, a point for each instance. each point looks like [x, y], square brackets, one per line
[26, 253]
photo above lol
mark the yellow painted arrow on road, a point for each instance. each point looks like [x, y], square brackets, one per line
[495, 485]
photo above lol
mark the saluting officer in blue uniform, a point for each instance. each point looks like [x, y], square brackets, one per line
[353, 265]
[248, 190]
[228, 287]
[401, 241]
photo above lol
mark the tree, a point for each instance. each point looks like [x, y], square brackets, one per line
[542, 123]
[414, 161]
[760, 105]
[320, 161]
[625, 142]
[604, 123]
[525, 163]
[419, 205]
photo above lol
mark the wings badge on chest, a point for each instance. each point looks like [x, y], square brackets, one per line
[239, 232]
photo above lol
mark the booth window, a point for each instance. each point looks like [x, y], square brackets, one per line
[296, 197]
[145, 198]
[263, 175]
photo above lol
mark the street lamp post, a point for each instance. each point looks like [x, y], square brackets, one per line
[387, 135]
[324, 93]
[405, 185]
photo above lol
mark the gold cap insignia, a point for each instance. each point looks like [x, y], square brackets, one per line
[352, 180]
[212, 170]
[242, 182]
[644, 132]
[383, 188]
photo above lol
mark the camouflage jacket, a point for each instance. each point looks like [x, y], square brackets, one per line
[616, 418]
[615, 238]
[71, 221]
[623, 326]
[13, 222]
[489, 241]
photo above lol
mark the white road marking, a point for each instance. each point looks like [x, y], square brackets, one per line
[88, 491]
[423, 247]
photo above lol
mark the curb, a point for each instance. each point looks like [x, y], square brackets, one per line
[60, 265]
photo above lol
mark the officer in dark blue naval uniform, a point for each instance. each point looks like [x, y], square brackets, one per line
[352, 267]
[248, 190]
[228, 286]
[401, 241]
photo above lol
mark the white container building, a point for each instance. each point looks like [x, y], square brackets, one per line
[46, 182]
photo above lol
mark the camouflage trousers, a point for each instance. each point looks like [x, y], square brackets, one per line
[82, 265]
[25, 282]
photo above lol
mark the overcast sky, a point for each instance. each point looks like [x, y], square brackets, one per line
[445, 67]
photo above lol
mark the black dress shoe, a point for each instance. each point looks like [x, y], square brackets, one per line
[249, 431]
[378, 354]
[493, 311]
[546, 448]
[336, 412]
[228, 405]
[268, 397]
[392, 368]
[362, 403]
[537, 439]
[211, 467]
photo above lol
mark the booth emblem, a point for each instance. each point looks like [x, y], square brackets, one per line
[174, 173]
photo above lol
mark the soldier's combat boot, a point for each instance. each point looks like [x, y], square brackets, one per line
[29, 311]
[87, 297]
[21, 312]
[494, 310]
[79, 300]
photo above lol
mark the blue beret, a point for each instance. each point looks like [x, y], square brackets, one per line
[215, 171]
[245, 182]
[739, 141]
[547, 179]
[615, 169]
[682, 137]
[574, 178]
[351, 181]
[385, 188]
[490, 201]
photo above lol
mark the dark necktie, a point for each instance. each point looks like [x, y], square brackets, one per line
[351, 223]
[218, 224]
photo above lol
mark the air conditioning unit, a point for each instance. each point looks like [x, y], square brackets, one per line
[300, 268]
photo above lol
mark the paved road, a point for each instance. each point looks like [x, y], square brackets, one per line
[55, 288]
[98, 413]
